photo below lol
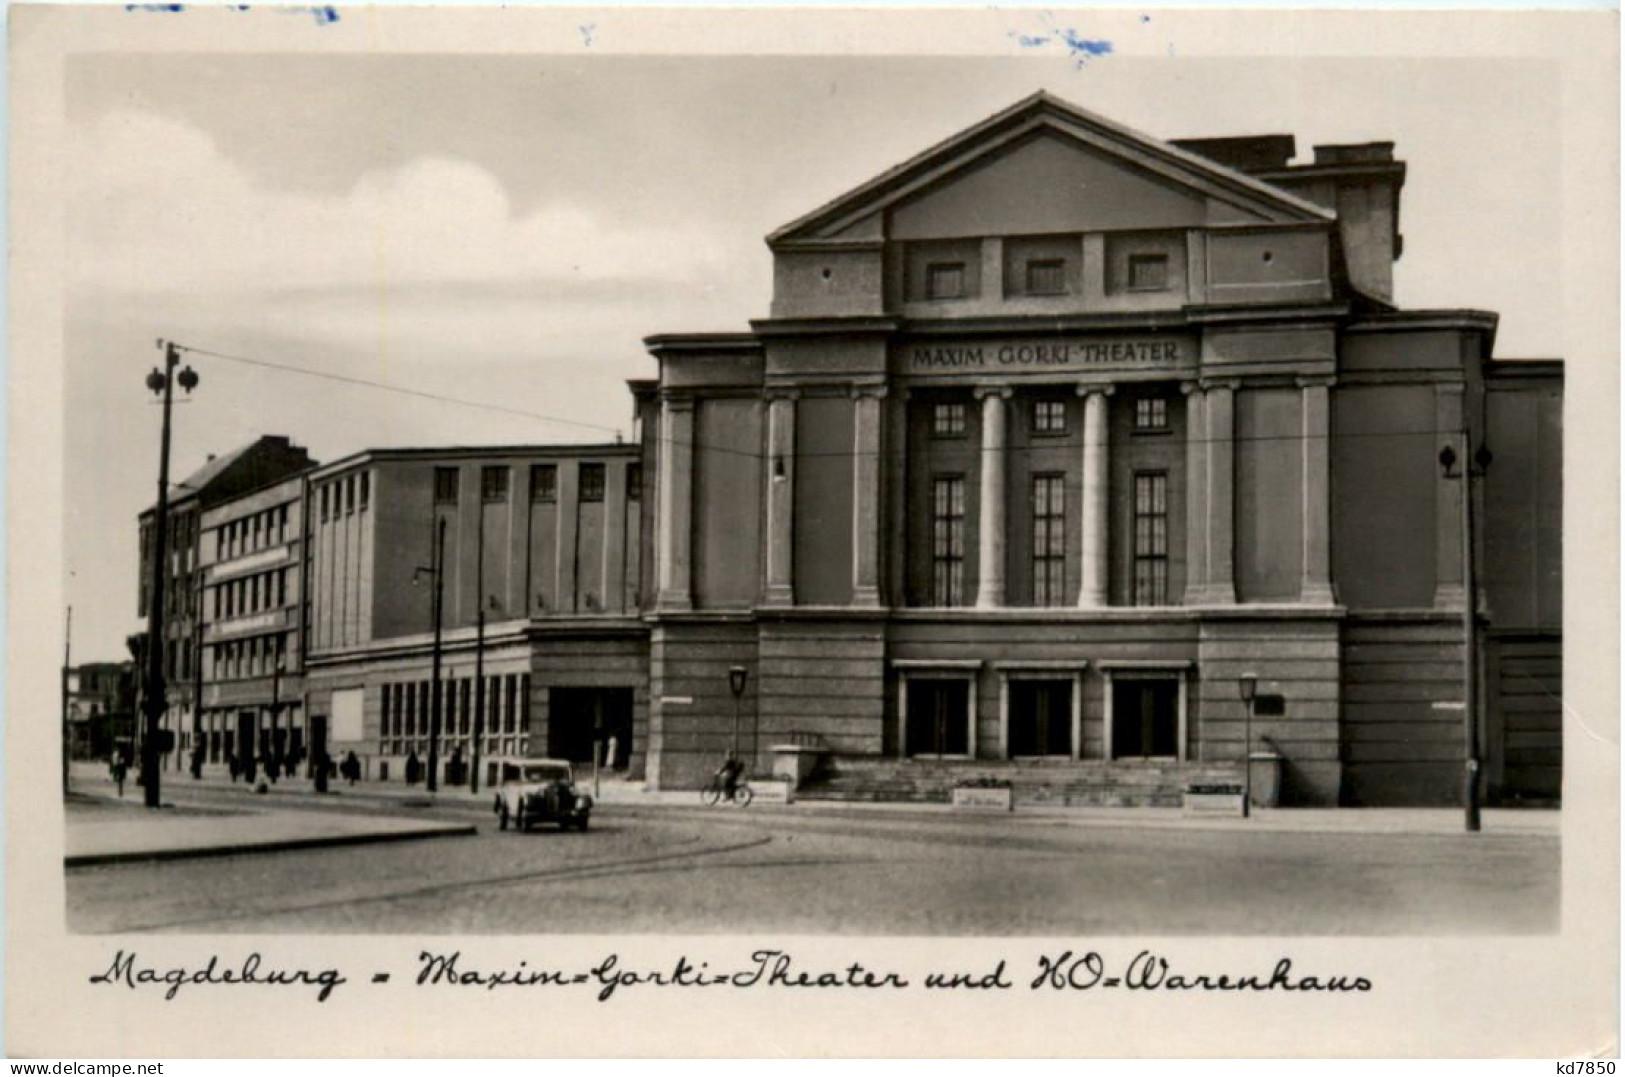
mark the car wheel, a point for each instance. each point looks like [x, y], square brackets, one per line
[581, 824]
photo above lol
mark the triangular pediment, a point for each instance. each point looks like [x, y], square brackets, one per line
[1062, 169]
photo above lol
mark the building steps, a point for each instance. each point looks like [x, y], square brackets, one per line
[1090, 783]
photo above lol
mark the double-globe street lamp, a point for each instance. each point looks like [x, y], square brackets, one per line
[162, 383]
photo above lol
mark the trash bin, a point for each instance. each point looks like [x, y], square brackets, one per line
[1265, 768]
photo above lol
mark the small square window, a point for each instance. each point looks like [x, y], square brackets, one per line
[947, 420]
[1049, 417]
[493, 484]
[592, 482]
[1148, 272]
[544, 483]
[945, 280]
[445, 485]
[1151, 413]
[1046, 277]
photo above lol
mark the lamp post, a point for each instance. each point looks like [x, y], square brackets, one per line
[1249, 692]
[162, 383]
[437, 570]
[479, 654]
[1466, 472]
[736, 685]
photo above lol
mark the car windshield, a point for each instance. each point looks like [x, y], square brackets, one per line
[541, 772]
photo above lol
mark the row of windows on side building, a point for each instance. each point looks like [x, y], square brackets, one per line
[405, 710]
[1044, 277]
[544, 483]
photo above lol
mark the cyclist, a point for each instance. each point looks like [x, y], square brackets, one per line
[728, 776]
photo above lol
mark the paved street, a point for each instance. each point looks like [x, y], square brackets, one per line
[821, 870]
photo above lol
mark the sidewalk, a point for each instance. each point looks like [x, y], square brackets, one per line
[1433, 821]
[124, 831]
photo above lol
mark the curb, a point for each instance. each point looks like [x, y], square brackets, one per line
[86, 860]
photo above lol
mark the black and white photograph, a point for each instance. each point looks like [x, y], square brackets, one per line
[1072, 501]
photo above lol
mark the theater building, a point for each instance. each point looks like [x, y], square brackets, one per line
[1052, 435]
[544, 541]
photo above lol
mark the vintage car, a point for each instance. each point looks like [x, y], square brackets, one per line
[532, 791]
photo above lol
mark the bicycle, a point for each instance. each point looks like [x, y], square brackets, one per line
[713, 793]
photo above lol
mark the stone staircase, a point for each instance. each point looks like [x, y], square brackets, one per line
[1089, 783]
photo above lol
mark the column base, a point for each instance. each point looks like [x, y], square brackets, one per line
[1450, 596]
[1318, 593]
[779, 594]
[1211, 594]
[987, 600]
[867, 597]
[1093, 600]
[673, 602]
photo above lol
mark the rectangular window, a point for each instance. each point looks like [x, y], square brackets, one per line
[948, 540]
[365, 489]
[445, 485]
[1049, 417]
[1147, 272]
[1150, 538]
[349, 494]
[592, 482]
[324, 495]
[1046, 276]
[1049, 540]
[493, 484]
[1151, 414]
[945, 280]
[634, 482]
[947, 420]
[508, 706]
[544, 483]
[411, 710]
[282, 524]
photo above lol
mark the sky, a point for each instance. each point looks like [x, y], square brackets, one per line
[507, 229]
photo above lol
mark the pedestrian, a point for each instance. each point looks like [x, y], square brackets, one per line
[414, 768]
[249, 769]
[119, 771]
[235, 768]
[272, 769]
[609, 752]
[198, 755]
[352, 768]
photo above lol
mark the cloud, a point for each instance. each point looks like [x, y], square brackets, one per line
[164, 210]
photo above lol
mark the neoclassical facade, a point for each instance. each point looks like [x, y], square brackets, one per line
[1054, 434]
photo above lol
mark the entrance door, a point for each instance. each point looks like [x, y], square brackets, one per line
[1040, 718]
[1145, 718]
[938, 717]
[246, 726]
[578, 719]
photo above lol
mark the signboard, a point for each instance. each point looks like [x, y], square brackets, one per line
[1049, 355]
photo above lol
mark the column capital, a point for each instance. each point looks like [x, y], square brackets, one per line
[1231, 384]
[981, 392]
[1450, 388]
[781, 392]
[670, 401]
[1086, 388]
[1186, 388]
[1316, 381]
[876, 390]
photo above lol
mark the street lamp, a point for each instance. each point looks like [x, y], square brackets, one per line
[736, 685]
[1448, 462]
[162, 383]
[1249, 692]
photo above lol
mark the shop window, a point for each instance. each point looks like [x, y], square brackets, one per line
[1046, 276]
[948, 540]
[945, 280]
[493, 484]
[445, 485]
[1049, 540]
[947, 420]
[1150, 538]
[1148, 272]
